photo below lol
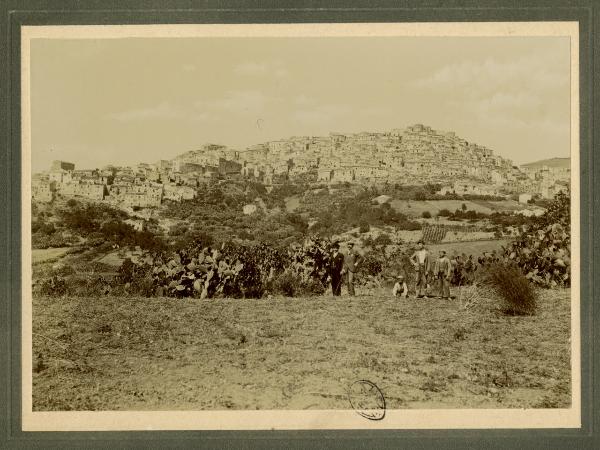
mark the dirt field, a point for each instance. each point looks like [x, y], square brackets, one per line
[157, 354]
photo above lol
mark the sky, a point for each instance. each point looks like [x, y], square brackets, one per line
[124, 101]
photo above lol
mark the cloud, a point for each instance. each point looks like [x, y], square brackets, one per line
[321, 113]
[536, 72]
[501, 102]
[254, 69]
[546, 126]
[188, 67]
[236, 102]
[161, 111]
[523, 94]
[303, 100]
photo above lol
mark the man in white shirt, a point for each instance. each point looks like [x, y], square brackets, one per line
[421, 261]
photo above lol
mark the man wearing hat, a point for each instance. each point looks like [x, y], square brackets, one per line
[443, 274]
[336, 265]
[421, 261]
[351, 263]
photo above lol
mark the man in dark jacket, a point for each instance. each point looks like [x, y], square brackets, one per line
[443, 274]
[336, 264]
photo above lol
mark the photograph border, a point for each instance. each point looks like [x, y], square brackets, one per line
[425, 418]
[18, 14]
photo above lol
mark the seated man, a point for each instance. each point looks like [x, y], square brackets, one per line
[400, 288]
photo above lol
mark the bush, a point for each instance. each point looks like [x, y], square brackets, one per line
[143, 286]
[292, 284]
[287, 283]
[371, 265]
[426, 215]
[421, 195]
[444, 213]
[63, 270]
[364, 227]
[543, 250]
[508, 282]
[383, 239]
[54, 287]
[89, 285]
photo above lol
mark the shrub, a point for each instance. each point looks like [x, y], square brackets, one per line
[292, 284]
[508, 282]
[88, 285]
[382, 239]
[421, 195]
[368, 241]
[63, 270]
[426, 215]
[143, 286]
[444, 213]
[543, 250]
[364, 227]
[54, 287]
[287, 283]
[371, 265]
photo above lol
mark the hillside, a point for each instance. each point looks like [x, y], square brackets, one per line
[551, 162]
[417, 154]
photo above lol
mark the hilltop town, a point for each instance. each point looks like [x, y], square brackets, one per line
[412, 156]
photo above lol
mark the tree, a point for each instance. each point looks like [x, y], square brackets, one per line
[421, 195]
[464, 207]
[382, 239]
[426, 215]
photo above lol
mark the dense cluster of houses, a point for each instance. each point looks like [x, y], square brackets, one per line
[143, 186]
[415, 155]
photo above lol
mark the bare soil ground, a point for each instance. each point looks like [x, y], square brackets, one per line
[187, 354]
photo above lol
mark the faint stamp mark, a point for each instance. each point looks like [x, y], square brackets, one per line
[367, 399]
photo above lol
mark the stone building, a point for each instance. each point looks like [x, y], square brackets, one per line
[61, 165]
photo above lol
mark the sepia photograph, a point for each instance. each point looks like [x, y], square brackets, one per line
[300, 226]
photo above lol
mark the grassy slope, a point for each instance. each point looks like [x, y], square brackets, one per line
[42, 255]
[123, 353]
[416, 208]
[475, 248]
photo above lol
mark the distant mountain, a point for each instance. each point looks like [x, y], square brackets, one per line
[552, 162]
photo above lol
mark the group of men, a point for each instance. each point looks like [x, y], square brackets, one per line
[437, 273]
[341, 265]
[441, 269]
